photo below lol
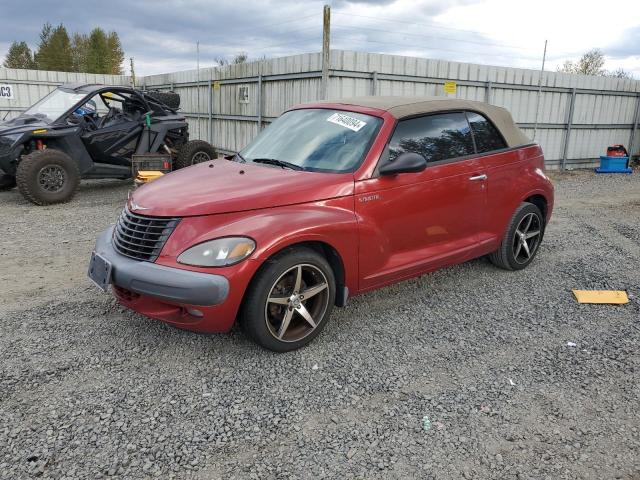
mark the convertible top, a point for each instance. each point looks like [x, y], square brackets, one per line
[402, 107]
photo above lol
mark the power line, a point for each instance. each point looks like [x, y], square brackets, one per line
[404, 22]
[432, 36]
[439, 49]
[433, 25]
[253, 39]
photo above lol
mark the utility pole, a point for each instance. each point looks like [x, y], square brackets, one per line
[544, 57]
[133, 73]
[197, 109]
[326, 51]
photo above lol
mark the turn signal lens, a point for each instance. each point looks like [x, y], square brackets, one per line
[220, 252]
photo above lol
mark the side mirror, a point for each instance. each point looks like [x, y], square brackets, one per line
[407, 162]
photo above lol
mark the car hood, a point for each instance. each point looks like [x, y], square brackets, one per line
[223, 186]
[21, 124]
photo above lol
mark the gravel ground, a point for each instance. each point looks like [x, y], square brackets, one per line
[89, 390]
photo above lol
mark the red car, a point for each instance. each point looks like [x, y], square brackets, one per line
[333, 199]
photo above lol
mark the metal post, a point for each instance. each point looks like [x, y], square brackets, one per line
[632, 138]
[326, 53]
[197, 109]
[374, 83]
[544, 57]
[259, 101]
[133, 73]
[488, 91]
[569, 123]
[210, 86]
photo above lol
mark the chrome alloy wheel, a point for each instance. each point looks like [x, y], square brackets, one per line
[297, 303]
[527, 238]
[200, 157]
[51, 178]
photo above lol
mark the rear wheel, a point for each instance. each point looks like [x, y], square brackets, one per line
[7, 182]
[193, 152]
[48, 176]
[289, 301]
[523, 238]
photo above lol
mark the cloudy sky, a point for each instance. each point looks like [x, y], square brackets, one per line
[162, 35]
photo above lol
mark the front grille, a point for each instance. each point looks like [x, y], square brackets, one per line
[141, 237]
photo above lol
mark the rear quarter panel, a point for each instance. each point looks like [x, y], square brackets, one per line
[514, 176]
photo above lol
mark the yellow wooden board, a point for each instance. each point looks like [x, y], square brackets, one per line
[146, 176]
[617, 297]
[450, 87]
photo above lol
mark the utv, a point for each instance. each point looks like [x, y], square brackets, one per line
[91, 131]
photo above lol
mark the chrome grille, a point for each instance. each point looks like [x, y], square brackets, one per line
[141, 237]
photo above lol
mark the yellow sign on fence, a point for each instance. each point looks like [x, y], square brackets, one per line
[450, 87]
[216, 85]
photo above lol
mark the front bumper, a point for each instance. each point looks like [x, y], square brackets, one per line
[171, 285]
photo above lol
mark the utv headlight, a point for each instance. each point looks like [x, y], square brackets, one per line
[220, 252]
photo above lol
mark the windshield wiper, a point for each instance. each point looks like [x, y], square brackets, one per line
[278, 163]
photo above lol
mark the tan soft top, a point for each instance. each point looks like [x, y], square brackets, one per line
[401, 107]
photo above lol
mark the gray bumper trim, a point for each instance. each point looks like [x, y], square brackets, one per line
[166, 283]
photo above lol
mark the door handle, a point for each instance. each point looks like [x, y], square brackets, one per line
[478, 178]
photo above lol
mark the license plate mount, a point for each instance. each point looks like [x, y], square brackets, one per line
[100, 270]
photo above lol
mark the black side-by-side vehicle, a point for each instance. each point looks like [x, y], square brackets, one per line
[91, 131]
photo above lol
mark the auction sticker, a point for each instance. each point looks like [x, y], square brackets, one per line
[6, 92]
[346, 121]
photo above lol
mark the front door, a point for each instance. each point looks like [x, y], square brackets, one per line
[412, 223]
[116, 132]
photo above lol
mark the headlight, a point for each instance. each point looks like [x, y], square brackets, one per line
[220, 252]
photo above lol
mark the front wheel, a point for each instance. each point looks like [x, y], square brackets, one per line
[193, 152]
[523, 238]
[48, 176]
[289, 301]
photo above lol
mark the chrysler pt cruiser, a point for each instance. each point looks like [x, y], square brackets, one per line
[333, 199]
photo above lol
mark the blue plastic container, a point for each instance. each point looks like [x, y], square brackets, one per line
[614, 165]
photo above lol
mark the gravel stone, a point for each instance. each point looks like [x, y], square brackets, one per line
[91, 390]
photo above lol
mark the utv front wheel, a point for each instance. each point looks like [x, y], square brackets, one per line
[195, 151]
[48, 176]
[289, 301]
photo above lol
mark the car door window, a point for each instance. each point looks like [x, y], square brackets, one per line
[436, 137]
[485, 134]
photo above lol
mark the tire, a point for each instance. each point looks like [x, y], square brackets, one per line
[195, 151]
[262, 320]
[48, 176]
[170, 99]
[527, 224]
[7, 182]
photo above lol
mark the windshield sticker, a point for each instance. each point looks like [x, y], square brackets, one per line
[346, 121]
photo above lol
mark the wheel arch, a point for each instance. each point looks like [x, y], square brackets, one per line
[324, 248]
[539, 201]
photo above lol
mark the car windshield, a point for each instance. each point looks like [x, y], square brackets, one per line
[318, 140]
[51, 107]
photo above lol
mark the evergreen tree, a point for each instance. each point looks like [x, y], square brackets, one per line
[19, 56]
[97, 52]
[54, 50]
[79, 48]
[116, 54]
